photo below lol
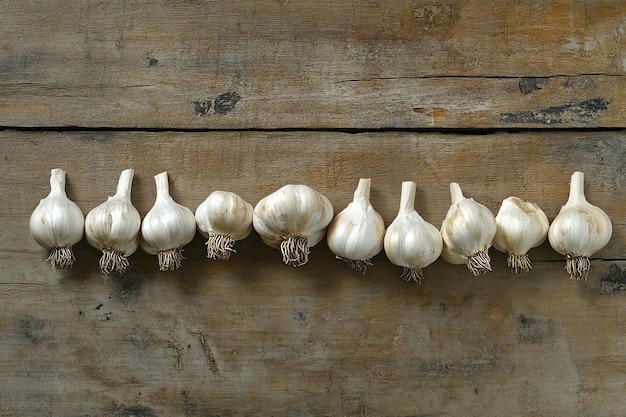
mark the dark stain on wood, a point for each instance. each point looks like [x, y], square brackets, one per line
[122, 410]
[33, 328]
[222, 104]
[529, 84]
[125, 284]
[533, 330]
[581, 112]
[614, 281]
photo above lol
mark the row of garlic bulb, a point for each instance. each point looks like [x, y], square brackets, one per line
[296, 217]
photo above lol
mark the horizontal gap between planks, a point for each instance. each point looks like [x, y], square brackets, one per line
[461, 131]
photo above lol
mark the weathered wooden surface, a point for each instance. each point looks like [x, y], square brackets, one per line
[252, 336]
[302, 64]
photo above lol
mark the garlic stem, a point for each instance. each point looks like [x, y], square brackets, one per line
[407, 197]
[125, 183]
[362, 192]
[162, 185]
[295, 250]
[57, 181]
[479, 263]
[61, 257]
[456, 193]
[219, 247]
[518, 263]
[577, 188]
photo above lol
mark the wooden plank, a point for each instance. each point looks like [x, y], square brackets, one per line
[252, 336]
[261, 64]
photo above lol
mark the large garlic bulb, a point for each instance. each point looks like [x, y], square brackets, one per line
[113, 227]
[57, 223]
[579, 230]
[167, 227]
[467, 232]
[293, 218]
[410, 241]
[223, 218]
[356, 234]
[521, 225]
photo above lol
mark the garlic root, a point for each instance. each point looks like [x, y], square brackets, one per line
[412, 274]
[113, 260]
[295, 250]
[577, 267]
[479, 263]
[171, 259]
[518, 263]
[61, 257]
[356, 265]
[219, 247]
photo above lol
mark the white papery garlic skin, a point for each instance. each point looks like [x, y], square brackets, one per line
[167, 227]
[57, 223]
[521, 225]
[467, 232]
[293, 219]
[113, 227]
[410, 241]
[223, 218]
[356, 234]
[579, 230]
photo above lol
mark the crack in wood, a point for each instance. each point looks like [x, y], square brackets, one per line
[207, 352]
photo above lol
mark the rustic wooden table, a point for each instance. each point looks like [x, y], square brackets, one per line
[506, 98]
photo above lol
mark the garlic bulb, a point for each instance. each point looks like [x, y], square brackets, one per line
[410, 241]
[167, 227]
[467, 232]
[113, 227]
[57, 223]
[579, 230]
[223, 218]
[521, 225]
[293, 218]
[356, 234]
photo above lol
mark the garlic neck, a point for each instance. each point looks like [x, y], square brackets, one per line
[577, 188]
[162, 185]
[407, 197]
[456, 194]
[362, 192]
[57, 182]
[125, 183]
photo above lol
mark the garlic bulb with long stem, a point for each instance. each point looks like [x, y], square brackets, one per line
[521, 225]
[579, 230]
[356, 234]
[167, 227]
[467, 232]
[113, 227]
[410, 241]
[57, 223]
[293, 218]
[223, 218]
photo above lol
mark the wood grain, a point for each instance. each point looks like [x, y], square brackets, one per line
[252, 336]
[268, 64]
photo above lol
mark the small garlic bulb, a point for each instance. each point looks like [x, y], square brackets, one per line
[113, 227]
[521, 225]
[579, 230]
[293, 218]
[467, 232]
[356, 234]
[410, 241]
[223, 218]
[57, 223]
[167, 227]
